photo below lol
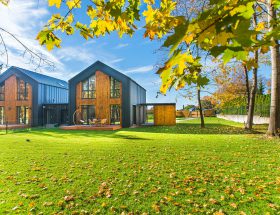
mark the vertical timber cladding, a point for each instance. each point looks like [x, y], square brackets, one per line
[165, 115]
[11, 102]
[103, 101]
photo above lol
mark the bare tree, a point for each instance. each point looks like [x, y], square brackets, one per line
[34, 57]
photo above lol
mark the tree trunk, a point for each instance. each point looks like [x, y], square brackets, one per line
[275, 79]
[250, 116]
[251, 110]
[202, 124]
[247, 86]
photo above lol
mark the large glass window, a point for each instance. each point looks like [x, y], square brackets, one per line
[23, 115]
[22, 90]
[2, 115]
[2, 92]
[88, 113]
[115, 114]
[88, 88]
[115, 88]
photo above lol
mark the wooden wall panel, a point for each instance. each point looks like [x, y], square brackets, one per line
[102, 96]
[164, 115]
[102, 101]
[10, 104]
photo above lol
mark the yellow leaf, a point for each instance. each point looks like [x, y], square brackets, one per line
[260, 26]
[70, 18]
[189, 38]
[149, 1]
[149, 14]
[156, 207]
[57, 3]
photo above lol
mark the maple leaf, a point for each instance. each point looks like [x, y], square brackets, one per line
[68, 198]
[156, 207]
[57, 3]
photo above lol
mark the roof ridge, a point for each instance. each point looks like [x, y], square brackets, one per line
[37, 73]
[42, 78]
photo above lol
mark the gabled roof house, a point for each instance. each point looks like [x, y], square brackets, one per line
[24, 96]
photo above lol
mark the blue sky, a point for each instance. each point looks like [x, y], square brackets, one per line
[136, 57]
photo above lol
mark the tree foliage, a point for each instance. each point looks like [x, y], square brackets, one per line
[223, 29]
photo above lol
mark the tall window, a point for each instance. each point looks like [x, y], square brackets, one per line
[115, 114]
[22, 115]
[22, 90]
[88, 88]
[2, 92]
[2, 115]
[88, 113]
[115, 88]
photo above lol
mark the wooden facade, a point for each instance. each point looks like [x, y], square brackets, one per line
[102, 102]
[11, 101]
[165, 114]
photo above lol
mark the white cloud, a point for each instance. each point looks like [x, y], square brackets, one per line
[22, 18]
[142, 69]
[121, 45]
[78, 53]
[117, 60]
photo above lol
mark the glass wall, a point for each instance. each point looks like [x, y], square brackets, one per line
[115, 114]
[2, 92]
[88, 88]
[23, 115]
[88, 113]
[22, 90]
[115, 88]
[2, 116]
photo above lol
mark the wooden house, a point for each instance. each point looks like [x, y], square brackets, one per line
[25, 97]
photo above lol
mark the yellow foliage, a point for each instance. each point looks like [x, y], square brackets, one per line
[260, 26]
[57, 3]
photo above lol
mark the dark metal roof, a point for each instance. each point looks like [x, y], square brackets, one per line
[40, 78]
[106, 69]
[153, 104]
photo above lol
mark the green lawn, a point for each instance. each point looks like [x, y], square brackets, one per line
[170, 170]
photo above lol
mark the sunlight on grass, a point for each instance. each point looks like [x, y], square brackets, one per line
[171, 170]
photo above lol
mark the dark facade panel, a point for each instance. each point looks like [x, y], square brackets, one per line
[55, 114]
[137, 96]
[52, 95]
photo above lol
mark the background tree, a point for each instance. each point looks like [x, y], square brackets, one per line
[261, 85]
[207, 102]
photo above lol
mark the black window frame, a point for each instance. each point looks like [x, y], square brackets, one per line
[89, 91]
[2, 92]
[115, 88]
[22, 95]
[87, 109]
[26, 116]
[114, 121]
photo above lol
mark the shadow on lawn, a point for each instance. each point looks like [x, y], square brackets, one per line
[194, 128]
[187, 127]
[58, 133]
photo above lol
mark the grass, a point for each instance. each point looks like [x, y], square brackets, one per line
[171, 170]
